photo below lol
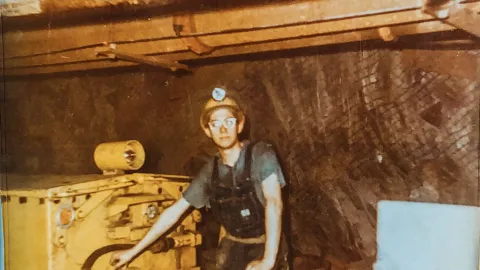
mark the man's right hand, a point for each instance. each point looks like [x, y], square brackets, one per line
[120, 258]
[166, 220]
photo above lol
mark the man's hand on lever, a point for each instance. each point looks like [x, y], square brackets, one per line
[166, 220]
[120, 258]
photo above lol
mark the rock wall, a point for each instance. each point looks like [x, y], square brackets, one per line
[351, 128]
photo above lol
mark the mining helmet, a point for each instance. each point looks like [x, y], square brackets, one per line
[219, 100]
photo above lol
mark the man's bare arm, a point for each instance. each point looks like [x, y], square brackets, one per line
[166, 220]
[273, 217]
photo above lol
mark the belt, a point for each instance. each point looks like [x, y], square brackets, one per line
[255, 240]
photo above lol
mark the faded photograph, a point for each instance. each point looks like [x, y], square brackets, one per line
[240, 135]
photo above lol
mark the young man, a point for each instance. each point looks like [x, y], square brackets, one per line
[242, 186]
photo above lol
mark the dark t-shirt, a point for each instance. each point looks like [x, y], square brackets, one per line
[264, 163]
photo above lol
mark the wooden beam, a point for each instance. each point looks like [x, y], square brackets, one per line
[208, 23]
[57, 6]
[13, 8]
[269, 28]
[346, 37]
[107, 7]
[174, 45]
[459, 16]
[466, 19]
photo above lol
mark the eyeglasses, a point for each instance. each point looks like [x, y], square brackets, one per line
[227, 123]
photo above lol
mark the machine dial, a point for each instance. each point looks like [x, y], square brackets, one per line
[151, 211]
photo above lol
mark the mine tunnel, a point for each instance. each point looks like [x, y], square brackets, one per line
[362, 102]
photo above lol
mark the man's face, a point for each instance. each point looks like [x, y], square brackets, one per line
[224, 128]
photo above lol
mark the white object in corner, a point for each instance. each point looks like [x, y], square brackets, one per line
[427, 236]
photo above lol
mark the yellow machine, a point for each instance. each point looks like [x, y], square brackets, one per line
[75, 222]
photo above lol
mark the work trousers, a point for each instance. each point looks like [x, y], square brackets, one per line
[233, 255]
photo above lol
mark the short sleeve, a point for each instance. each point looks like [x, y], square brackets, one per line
[196, 193]
[266, 162]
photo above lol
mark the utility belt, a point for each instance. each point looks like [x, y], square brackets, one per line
[255, 240]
